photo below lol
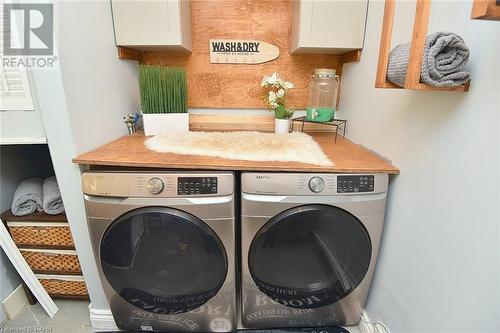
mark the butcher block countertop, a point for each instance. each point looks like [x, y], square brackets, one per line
[129, 151]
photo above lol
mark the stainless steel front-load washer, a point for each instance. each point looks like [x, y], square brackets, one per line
[164, 243]
[309, 246]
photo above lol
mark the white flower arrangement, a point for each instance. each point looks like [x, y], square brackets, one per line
[277, 89]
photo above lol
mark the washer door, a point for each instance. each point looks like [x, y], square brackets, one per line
[163, 260]
[310, 256]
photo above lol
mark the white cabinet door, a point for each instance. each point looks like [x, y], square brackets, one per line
[328, 26]
[152, 24]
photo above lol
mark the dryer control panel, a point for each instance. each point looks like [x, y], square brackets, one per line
[167, 184]
[355, 184]
[196, 185]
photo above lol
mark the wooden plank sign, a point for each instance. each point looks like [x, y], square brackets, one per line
[239, 51]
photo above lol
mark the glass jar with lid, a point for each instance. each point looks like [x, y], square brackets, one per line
[322, 95]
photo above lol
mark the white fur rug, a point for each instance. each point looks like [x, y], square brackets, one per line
[250, 146]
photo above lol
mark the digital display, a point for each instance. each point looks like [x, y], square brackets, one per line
[196, 185]
[354, 184]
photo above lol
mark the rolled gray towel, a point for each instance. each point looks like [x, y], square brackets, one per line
[28, 197]
[52, 201]
[445, 54]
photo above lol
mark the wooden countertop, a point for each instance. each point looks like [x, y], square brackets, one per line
[129, 151]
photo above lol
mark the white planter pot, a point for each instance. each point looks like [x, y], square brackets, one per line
[158, 123]
[281, 126]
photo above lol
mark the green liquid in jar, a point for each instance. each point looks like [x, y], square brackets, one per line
[320, 114]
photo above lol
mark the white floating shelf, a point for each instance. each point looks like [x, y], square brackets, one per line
[23, 141]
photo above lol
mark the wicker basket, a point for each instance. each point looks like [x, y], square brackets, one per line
[64, 285]
[42, 236]
[52, 261]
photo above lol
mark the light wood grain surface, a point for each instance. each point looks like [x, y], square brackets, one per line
[235, 85]
[229, 123]
[129, 151]
[385, 46]
[486, 10]
[419, 34]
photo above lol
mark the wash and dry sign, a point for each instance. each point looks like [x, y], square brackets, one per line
[239, 51]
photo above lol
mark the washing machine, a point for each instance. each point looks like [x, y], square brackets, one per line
[164, 243]
[309, 246]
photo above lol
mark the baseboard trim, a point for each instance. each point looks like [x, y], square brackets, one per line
[102, 319]
[14, 302]
[369, 326]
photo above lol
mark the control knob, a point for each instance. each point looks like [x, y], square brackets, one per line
[316, 184]
[155, 185]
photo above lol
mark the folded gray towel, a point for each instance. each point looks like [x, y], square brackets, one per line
[445, 54]
[28, 197]
[52, 201]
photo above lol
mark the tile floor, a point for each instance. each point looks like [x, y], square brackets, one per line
[72, 317]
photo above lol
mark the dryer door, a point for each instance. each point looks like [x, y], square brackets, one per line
[310, 256]
[163, 260]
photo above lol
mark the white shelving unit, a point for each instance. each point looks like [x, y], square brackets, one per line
[23, 141]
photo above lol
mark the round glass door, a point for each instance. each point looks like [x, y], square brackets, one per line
[163, 260]
[310, 256]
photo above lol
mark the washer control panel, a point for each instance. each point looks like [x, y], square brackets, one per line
[355, 184]
[196, 185]
[315, 184]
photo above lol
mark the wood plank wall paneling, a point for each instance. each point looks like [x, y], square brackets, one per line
[238, 86]
[229, 123]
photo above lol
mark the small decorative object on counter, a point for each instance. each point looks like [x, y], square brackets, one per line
[163, 93]
[133, 122]
[323, 90]
[276, 89]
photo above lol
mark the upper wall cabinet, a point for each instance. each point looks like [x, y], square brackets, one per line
[328, 26]
[152, 25]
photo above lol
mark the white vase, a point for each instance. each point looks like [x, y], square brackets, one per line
[281, 126]
[158, 123]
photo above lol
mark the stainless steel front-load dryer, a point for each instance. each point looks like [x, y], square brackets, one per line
[309, 246]
[164, 243]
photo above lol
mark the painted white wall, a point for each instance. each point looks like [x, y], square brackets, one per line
[100, 88]
[439, 266]
[83, 104]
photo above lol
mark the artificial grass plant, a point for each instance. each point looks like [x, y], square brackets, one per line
[162, 89]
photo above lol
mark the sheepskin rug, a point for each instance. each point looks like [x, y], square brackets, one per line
[243, 145]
